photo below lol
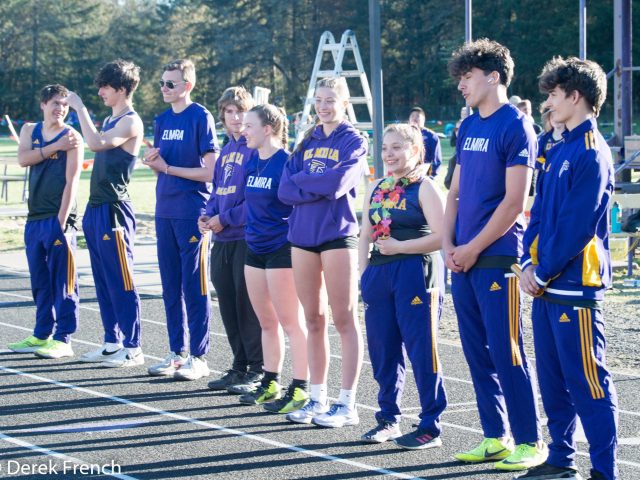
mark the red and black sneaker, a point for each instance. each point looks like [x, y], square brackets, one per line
[419, 439]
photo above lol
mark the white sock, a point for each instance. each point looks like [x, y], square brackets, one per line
[318, 393]
[348, 398]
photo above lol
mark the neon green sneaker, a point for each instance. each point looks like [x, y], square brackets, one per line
[55, 349]
[293, 400]
[489, 450]
[525, 456]
[262, 394]
[28, 345]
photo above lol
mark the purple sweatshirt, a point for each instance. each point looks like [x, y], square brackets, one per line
[227, 197]
[321, 181]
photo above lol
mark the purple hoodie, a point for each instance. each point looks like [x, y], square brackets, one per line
[321, 180]
[227, 197]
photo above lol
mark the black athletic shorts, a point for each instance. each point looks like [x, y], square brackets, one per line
[350, 242]
[281, 258]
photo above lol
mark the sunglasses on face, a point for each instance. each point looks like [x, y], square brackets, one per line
[170, 84]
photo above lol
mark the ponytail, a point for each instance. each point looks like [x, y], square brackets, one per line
[276, 118]
[307, 136]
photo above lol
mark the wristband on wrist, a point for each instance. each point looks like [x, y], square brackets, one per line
[166, 170]
[41, 154]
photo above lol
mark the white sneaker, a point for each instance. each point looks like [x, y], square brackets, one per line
[193, 369]
[168, 366]
[105, 352]
[308, 412]
[339, 415]
[125, 357]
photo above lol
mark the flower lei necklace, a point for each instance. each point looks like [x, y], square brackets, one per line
[385, 198]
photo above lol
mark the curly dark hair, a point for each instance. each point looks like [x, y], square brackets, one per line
[50, 91]
[119, 74]
[487, 55]
[573, 74]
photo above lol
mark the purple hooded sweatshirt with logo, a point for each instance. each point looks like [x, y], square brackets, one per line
[227, 197]
[321, 181]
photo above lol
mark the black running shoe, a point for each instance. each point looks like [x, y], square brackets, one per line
[230, 377]
[247, 384]
[419, 439]
[549, 472]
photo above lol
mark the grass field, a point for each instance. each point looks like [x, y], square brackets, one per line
[141, 189]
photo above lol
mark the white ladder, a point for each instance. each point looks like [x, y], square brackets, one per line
[261, 95]
[347, 43]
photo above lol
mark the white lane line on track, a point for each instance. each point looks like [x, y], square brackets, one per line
[408, 369]
[163, 324]
[450, 343]
[359, 405]
[61, 456]
[154, 322]
[76, 340]
[111, 426]
[461, 404]
[213, 426]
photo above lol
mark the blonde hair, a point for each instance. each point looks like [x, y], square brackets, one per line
[186, 67]
[413, 137]
[276, 118]
[337, 84]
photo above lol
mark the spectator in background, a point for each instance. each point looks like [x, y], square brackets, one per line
[551, 136]
[72, 119]
[298, 123]
[464, 113]
[514, 100]
[525, 107]
[433, 154]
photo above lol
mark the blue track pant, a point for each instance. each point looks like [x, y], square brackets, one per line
[401, 313]
[574, 382]
[109, 230]
[183, 257]
[54, 280]
[487, 303]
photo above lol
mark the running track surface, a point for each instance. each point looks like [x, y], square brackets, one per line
[65, 413]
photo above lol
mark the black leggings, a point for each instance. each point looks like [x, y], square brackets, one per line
[239, 319]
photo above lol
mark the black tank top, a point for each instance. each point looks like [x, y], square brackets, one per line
[407, 222]
[111, 172]
[47, 180]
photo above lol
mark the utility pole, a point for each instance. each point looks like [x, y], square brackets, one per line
[376, 85]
